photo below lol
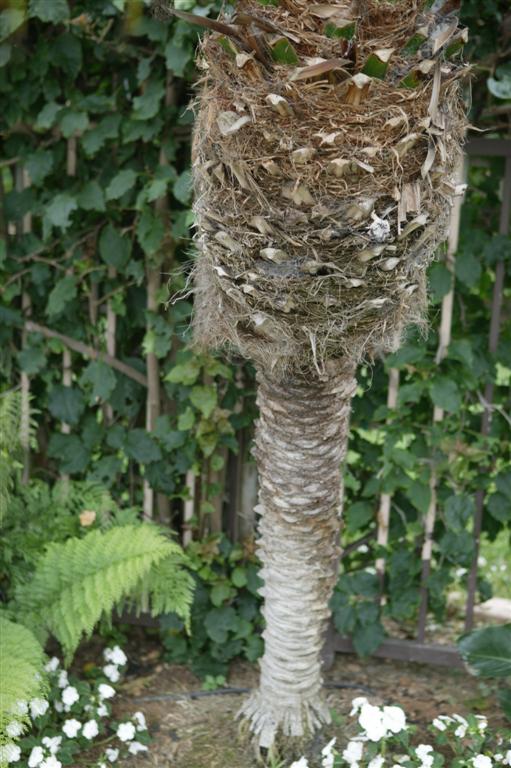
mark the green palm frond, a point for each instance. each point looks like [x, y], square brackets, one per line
[81, 580]
[21, 664]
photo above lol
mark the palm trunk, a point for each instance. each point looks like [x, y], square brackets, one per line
[301, 441]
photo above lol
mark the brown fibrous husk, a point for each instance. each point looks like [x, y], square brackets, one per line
[321, 199]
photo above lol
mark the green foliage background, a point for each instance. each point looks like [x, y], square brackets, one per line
[108, 74]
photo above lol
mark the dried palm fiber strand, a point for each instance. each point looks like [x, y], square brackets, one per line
[323, 192]
[323, 187]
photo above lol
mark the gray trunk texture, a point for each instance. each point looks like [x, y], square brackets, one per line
[301, 439]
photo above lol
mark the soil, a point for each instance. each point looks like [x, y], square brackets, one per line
[203, 733]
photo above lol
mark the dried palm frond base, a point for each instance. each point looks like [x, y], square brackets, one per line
[323, 185]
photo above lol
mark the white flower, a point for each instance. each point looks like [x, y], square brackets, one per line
[63, 680]
[126, 731]
[328, 754]
[71, 728]
[439, 724]
[498, 757]
[140, 722]
[69, 697]
[90, 729]
[51, 762]
[423, 752]
[112, 754]
[135, 747]
[353, 753]
[371, 720]
[102, 710]
[507, 759]
[394, 719]
[376, 762]
[481, 761]
[58, 706]
[52, 744]
[9, 753]
[462, 727]
[111, 672]
[301, 763]
[35, 757]
[14, 729]
[106, 691]
[482, 722]
[357, 704]
[116, 655]
[52, 665]
[38, 707]
[20, 708]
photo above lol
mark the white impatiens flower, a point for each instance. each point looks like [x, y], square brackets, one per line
[328, 754]
[135, 747]
[357, 704]
[462, 727]
[482, 722]
[498, 757]
[90, 729]
[394, 719]
[140, 722]
[482, 761]
[371, 720]
[301, 763]
[126, 731]
[112, 754]
[111, 671]
[115, 655]
[507, 759]
[377, 762]
[63, 680]
[69, 697]
[9, 753]
[52, 665]
[36, 757]
[51, 762]
[71, 728]
[52, 743]
[353, 753]
[106, 691]
[38, 707]
[423, 752]
[14, 729]
[102, 710]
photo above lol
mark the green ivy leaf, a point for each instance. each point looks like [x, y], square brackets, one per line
[114, 249]
[141, 447]
[94, 139]
[101, 378]
[468, 268]
[499, 507]
[176, 58]
[32, 360]
[51, 11]
[47, 116]
[440, 281]
[185, 373]
[220, 593]
[74, 456]
[150, 232]
[67, 54]
[219, 622]
[66, 404]
[72, 123]
[91, 197]
[186, 420]
[183, 188]
[121, 183]
[445, 394]
[39, 165]
[147, 105]
[58, 213]
[63, 292]
[205, 399]
[10, 20]
[458, 510]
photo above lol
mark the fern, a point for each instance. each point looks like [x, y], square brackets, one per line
[167, 588]
[21, 664]
[10, 428]
[81, 580]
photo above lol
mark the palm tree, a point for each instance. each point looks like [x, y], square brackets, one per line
[326, 140]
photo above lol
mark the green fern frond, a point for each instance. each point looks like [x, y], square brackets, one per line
[168, 588]
[79, 496]
[21, 665]
[79, 581]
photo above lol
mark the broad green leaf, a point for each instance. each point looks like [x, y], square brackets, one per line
[10, 20]
[487, 651]
[501, 89]
[148, 104]
[38, 165]
[114, 249]
[499, 507]
[63, 292]
[150, 232]
[186, 420]
[58, 213]
[219, 622]
[72, 454]
[458, 510]
[368, 638]
[52, 11]
[468, 267]
[66, 404]
[176, 58]
[67, 54]
[220, 593]
[185, 373]
[141, 447]
[95, 138]
[121, 183]
[91, 197]
[440, 281]
[72, 123]
[101, 379]
[283, 52]
[183, 188]
[358, 515]
[445, 394]
[32, 360]
[205, 399]
[47, 116]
